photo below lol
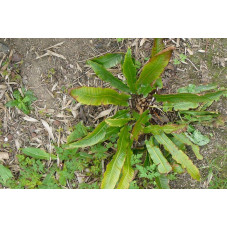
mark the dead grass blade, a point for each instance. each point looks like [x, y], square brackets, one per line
[49, 129]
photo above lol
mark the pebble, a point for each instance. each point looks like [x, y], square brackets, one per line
[16, 57]
[32, 129]
[147, 46]
[33, 134]
[10, 137]
[57, 123]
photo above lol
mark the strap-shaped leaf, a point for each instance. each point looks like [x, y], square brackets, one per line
[200, 113]
[191, 98]
[157, 46]
[129, 71]
[177, 168]
[118, 122]
[162, 182]
[179, 106]
[99, 96]
[110, 131]
[182, 138]
[37, 153]
[153, 70]
[185, 101]
[5, 173]
[127, 172]
[109, 60]
[158, 158]
[105, 75]
[192, 88]
[178, 155]
[91, 139]
[171, 128]
[121, 114]
[114, 167]
[139, 125]
[79, 132]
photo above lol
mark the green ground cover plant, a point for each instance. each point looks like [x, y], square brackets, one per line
[22, 100]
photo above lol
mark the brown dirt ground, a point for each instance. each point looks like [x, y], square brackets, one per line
[51, 76]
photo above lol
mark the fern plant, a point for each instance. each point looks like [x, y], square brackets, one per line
[165, 145]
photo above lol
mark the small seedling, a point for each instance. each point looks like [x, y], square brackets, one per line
[120, 40]
[181, 58]
[22, 102]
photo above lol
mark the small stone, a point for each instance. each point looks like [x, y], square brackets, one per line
[33, 134]
[32, 129]
[147, 46]
[16, 57]
[10, 137]
[57, 123]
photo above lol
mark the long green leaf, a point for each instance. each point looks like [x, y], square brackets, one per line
[192, 88]
[157, 46]
[91, 139]
[182, 138]
[178, 155]
[109, 60]
[139, 125]
[179, 106]
[185, 101]
[127, 172]
[153, 70]
[118, 122]
[162, 182]
[121, 114]
[171, 128]
[105, 75]
[200, 113]
[79, 132]
[37, 153]
[188, 97]
[114, 167]
[129, 71]
[99, 96]
[5, 173]
[110, 131]
[158, 158]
